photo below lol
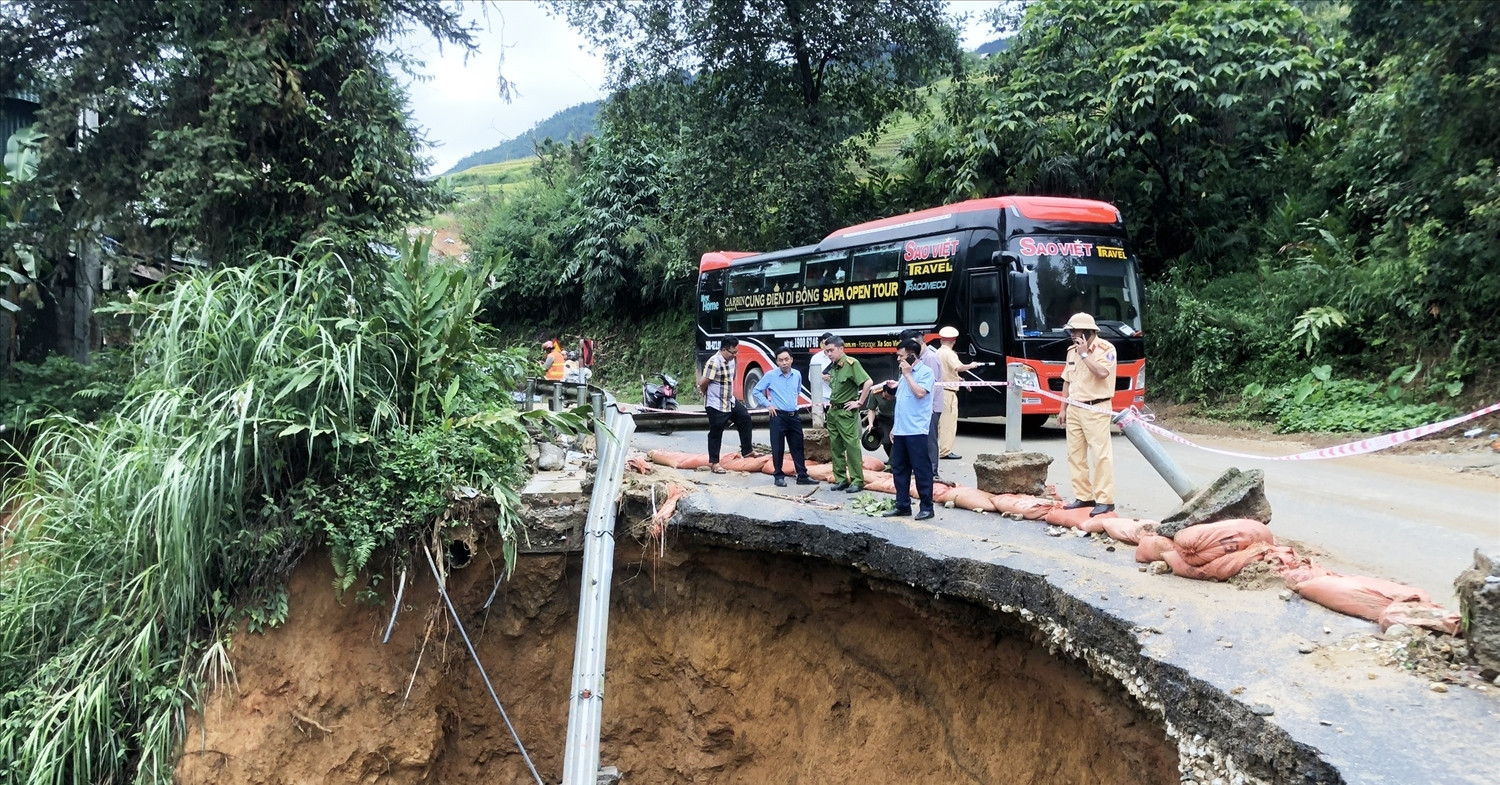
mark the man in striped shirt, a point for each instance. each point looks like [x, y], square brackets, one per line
[717, 386]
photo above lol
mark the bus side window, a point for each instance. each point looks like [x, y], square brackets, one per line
[877, 264]
[827, 317]
[826, 270]
[783, 276]
[711, 301]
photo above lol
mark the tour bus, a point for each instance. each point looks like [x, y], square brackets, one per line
[1007, 271]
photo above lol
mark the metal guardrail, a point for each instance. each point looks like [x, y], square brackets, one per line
[612, 432]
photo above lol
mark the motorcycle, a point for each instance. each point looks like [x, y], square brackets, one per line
[660, 396]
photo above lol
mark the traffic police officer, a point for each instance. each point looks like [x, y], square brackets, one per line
[1089, 378]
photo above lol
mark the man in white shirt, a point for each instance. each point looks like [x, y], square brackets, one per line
[816, 367]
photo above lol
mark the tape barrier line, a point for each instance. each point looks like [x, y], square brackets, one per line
[631, 408]
[1361, 447]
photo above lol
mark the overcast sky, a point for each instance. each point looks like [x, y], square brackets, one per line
[552, 68]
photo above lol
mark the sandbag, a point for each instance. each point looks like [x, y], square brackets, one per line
[678, 460]
[1094, 524]
[1205, 542]
[735, 463]
[972, 499]
[1073, 519]
[1220, 569]
[822, 472]
[1420, 614]
[873, 464]
[788, 466]
[1032, 508]
[1357, 595]
[1151, 547]
[1128, 530]
[879, 482]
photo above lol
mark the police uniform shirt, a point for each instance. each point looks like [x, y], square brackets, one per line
[1083, 385]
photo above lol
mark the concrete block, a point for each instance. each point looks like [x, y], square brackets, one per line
[1236, 494]
[1479, 603]
[1012, 472]
[815, 445]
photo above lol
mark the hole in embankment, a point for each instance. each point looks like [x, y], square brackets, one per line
[724, 666]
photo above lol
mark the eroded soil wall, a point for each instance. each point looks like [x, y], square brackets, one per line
[724, 666]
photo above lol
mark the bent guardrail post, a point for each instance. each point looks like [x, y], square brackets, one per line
[1151, 450]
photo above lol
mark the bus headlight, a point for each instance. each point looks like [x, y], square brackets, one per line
[1140, 378]
[1025, 377]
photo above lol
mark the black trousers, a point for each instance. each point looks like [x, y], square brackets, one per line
[787, 426]
[932, 438]
[908, 455]
[717, 420]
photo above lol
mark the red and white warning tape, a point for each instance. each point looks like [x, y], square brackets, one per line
[1361, 447]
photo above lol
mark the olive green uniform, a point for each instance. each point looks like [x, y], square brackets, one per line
[1088, 432]
[846, 378]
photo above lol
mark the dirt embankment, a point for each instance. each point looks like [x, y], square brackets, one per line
[723, 667]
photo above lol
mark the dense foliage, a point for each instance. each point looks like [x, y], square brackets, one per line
[1307, 184]
[734, 125]
[218, 128]
[270, 410]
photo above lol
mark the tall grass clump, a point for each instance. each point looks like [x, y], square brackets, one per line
[130, 539]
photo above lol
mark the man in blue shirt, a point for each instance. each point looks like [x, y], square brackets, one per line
[909, 433]
[784, 384]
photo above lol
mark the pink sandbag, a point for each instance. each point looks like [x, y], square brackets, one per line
[1420, 614]
[1128, 530]
[1220, 569]
[972, 499]
[1151, 547]
[873, 464]
[678, 460]
[1198, 545]
[735, 463]
[788, 466]
[822, 472]
[1357, 595]
[942, 492]
[1032, 508]
[1073, 519]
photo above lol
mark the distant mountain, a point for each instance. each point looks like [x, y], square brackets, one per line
[575, 122]
[997, 45]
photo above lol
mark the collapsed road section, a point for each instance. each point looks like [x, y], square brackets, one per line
[1248, 688]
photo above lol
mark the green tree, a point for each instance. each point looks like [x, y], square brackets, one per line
[750, 111]
[223, 127]
[1184, 113]
[1417, 175]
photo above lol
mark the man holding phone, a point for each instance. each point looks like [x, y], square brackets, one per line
[910, 431]
[1089, 378]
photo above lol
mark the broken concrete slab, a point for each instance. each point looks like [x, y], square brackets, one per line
[815, 445]
[550, 457]
[1012, 472]
[1479, 603]
[1235, 494]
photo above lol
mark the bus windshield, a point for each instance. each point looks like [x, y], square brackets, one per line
[1092, 275]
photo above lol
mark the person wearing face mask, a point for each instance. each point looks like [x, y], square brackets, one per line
[1089, 378]
[778, 391]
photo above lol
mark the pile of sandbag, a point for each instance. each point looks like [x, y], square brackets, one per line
[1214, 551]
[1219, 551]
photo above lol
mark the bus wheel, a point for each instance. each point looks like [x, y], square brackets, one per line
[752, 377]
[1032, 423]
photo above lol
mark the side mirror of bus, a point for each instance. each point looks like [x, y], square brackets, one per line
[1020, 289]
[1006, 258]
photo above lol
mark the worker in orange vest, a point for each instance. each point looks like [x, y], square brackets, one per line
[552, 367]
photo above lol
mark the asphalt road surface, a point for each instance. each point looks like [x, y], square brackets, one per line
[1411, 518]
